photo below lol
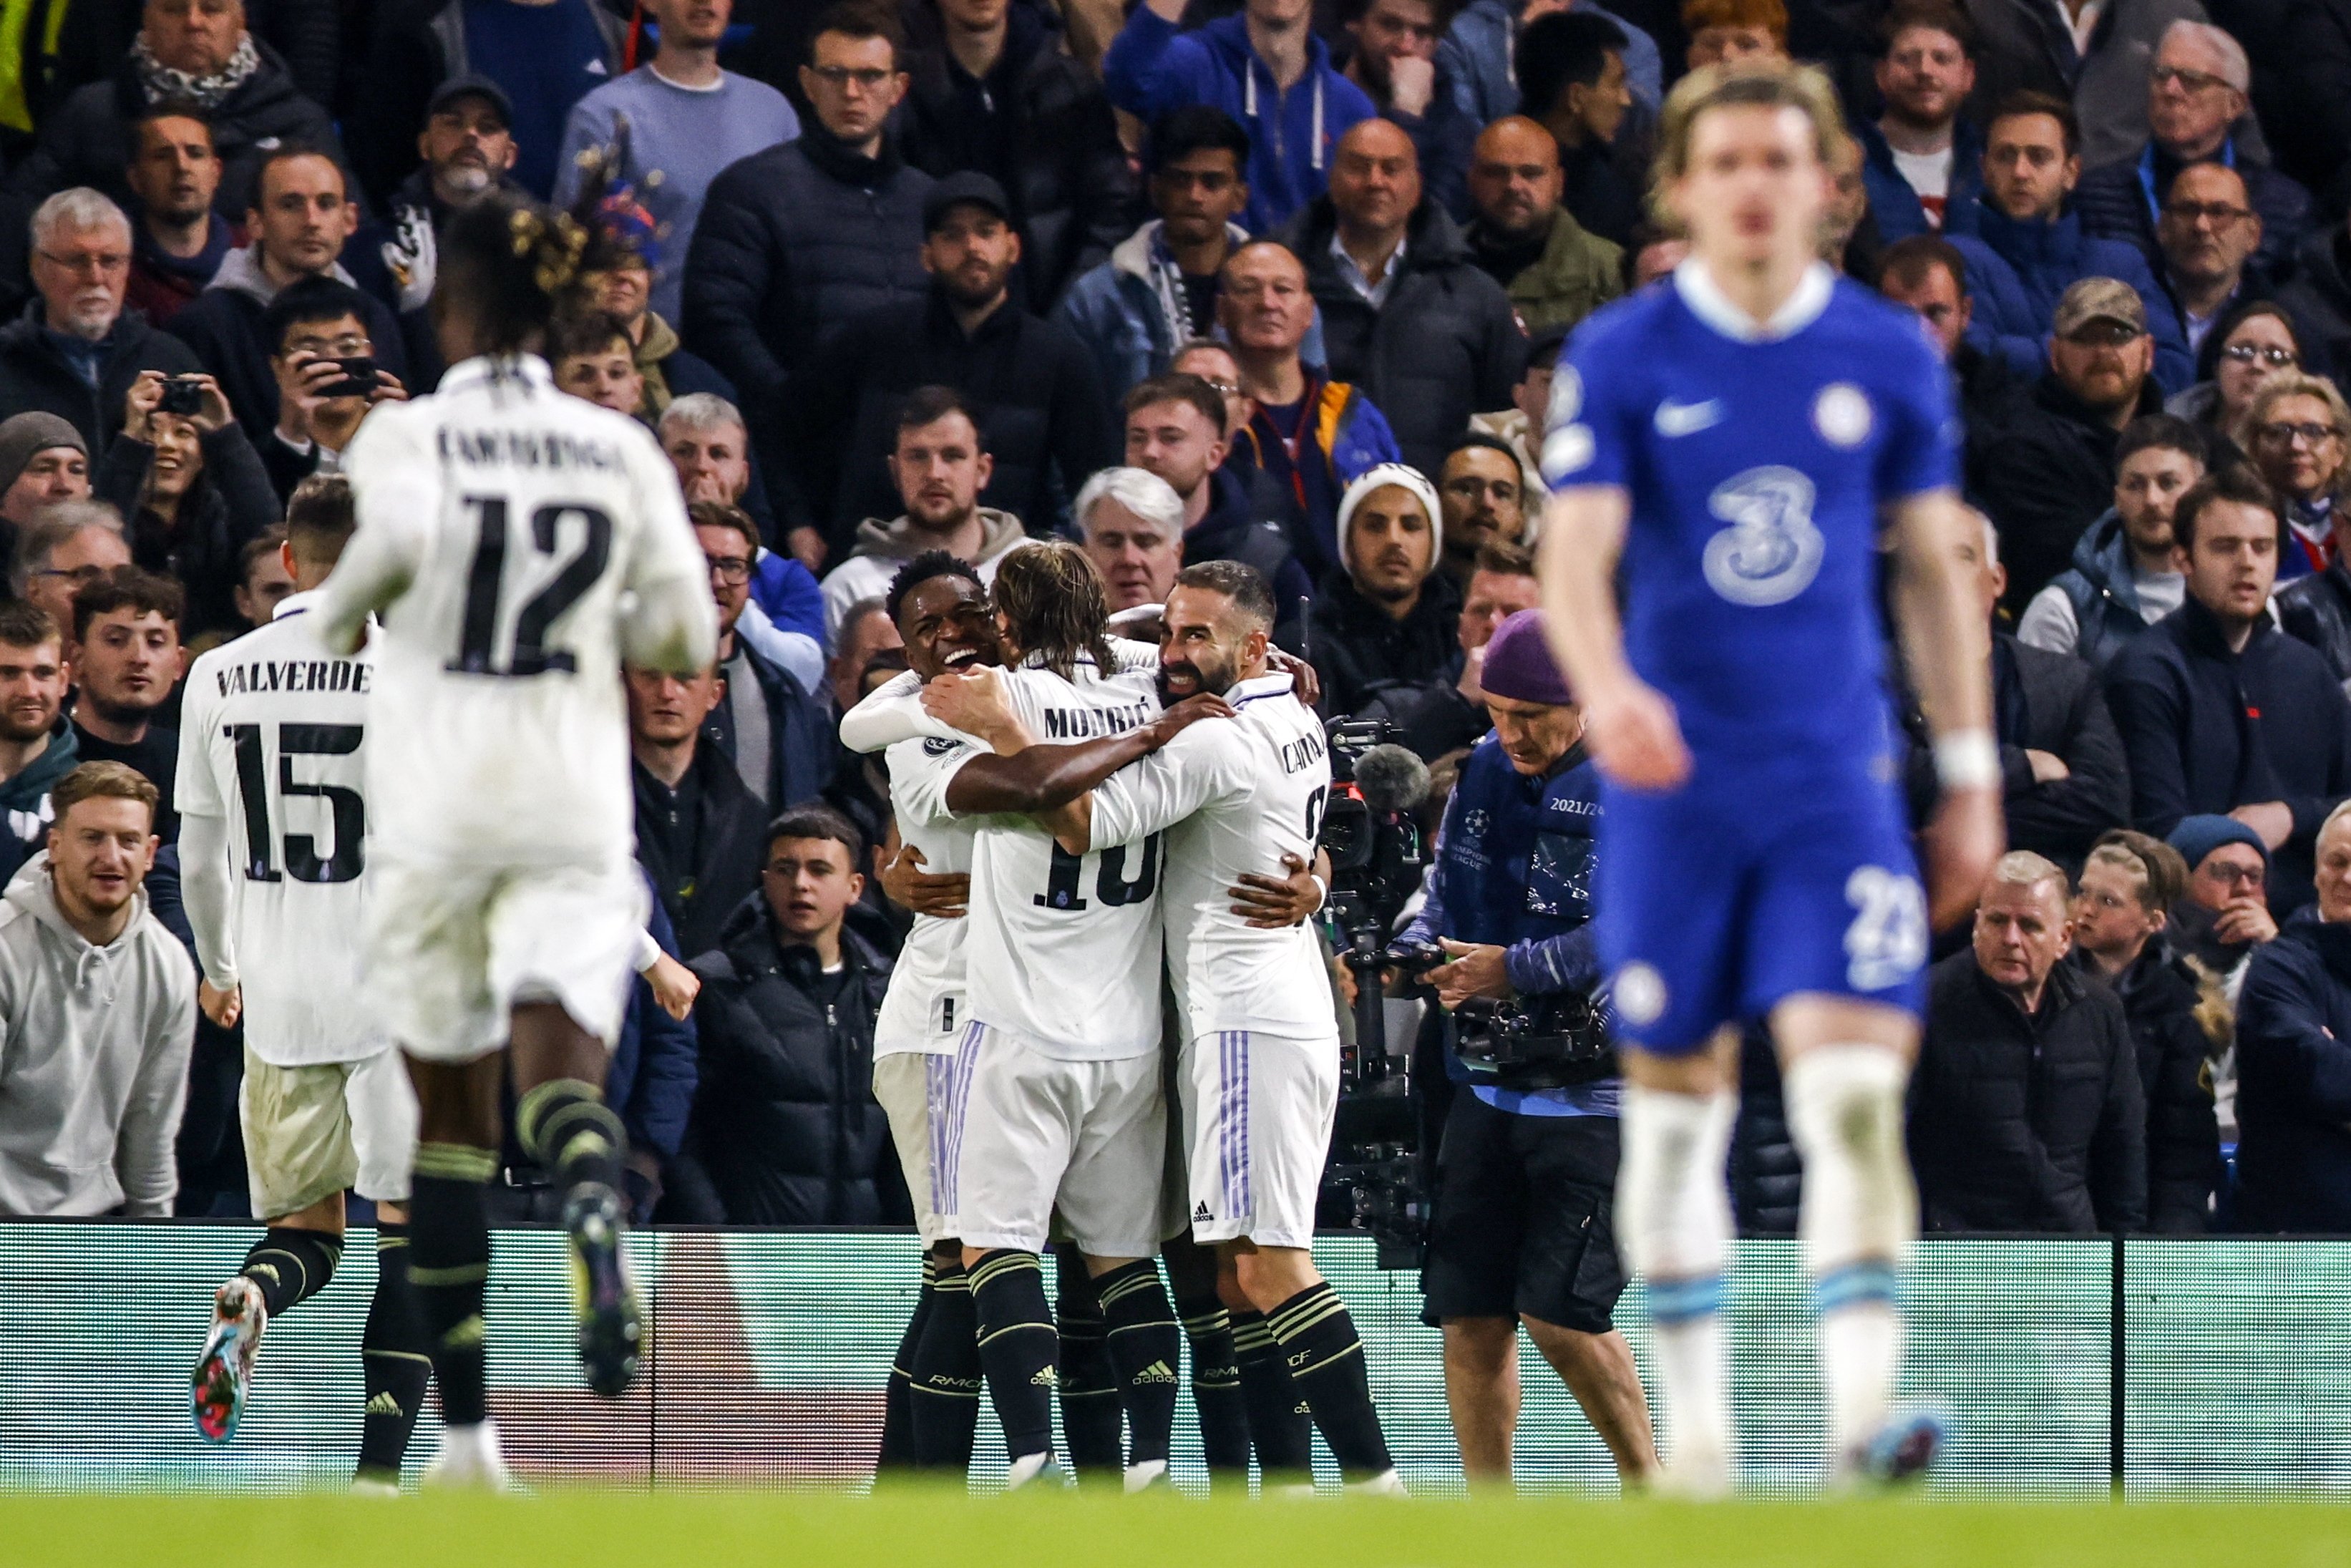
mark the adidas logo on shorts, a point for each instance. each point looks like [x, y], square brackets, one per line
[1045, 1378]
[1158, 1371]
[1201, 1216]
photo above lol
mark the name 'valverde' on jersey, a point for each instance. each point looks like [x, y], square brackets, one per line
[1758, 461]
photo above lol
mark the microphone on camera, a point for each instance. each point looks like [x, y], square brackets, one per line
[1391, 778]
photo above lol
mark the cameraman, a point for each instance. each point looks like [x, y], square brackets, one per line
[1525, 1177]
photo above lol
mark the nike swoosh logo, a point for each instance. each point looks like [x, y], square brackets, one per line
[1687, 418]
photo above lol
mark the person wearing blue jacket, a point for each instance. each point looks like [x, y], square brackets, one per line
[1925, 72]
[2294, 1060]
[650, 1085]
[2025, 247]
[1266, 70]
[1526, 1175]
[1479, 58]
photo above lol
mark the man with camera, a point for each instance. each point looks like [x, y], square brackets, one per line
[1526, 1171]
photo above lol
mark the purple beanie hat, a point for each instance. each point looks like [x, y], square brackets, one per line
[1519, 665]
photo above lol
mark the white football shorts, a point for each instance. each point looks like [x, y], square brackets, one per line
[1257, 1110]
[311, 1132]
[1028, 1134]
[916, 1091]
[452, 951]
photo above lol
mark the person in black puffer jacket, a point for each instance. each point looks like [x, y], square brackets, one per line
[2294, 1060]
[785, 1124]
[1389, 615]
[2178, 1020]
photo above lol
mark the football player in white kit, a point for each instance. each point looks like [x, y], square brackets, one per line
[519, 545]
[272, 822]
[1259, 1068]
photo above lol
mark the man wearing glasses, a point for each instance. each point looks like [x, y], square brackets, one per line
[76, 352]
[776, 734]
[2196, 93]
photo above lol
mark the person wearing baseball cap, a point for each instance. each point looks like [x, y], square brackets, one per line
[2050, 473]
[1520, 1231]
[43, 461]
[1386, 613]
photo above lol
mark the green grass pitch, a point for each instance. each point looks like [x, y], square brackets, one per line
[806, 1529]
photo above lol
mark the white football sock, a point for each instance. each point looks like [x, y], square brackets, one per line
[1673, 1213]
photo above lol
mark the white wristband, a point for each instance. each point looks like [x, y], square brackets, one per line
[1967, 760]
[1324, 889]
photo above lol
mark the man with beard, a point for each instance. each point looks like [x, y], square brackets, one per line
[177, 241]
[1388, 614]
[1031, 386]
[36, 746]
[1480, 490]
[1920, 158]
[468, 149]
[1555, 271]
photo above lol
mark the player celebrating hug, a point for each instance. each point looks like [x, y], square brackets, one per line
[1735, 442]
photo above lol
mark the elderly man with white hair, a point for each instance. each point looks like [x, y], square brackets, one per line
[75, 351]
[2195, 96]
[710, 449]
[1131, 522]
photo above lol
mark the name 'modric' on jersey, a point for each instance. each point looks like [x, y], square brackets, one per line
[1760, 461]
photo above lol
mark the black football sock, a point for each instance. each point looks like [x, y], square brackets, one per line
[1144, 1347]
[1278, 1427]
[944, 1392]
[290, 1265]
[449, 1270]
[1016, 1348]
[393, 1361]
[570, 1134]
[1317, 1339]
[1217, 1391]
[897, 1453]
[1090, 1409]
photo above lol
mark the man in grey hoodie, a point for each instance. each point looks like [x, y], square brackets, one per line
[98, 1010]
[940, 465]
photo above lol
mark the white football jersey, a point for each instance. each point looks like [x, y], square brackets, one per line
[1230, 796]
[925, 1007]
[520, 544]
[273, 738]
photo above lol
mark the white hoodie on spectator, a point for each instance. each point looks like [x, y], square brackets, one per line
[94, 1045]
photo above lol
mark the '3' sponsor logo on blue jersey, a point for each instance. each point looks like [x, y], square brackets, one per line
[1771, 551]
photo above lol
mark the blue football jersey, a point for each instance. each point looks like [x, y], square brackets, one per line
[1759, 462]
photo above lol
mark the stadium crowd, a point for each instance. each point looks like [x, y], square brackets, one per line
[961, 275]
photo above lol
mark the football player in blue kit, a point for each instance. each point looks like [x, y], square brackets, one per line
[1740, 450]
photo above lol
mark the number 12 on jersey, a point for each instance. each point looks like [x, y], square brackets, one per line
[486, 587]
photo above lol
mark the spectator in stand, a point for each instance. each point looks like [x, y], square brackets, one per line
[2226, 915]
[592, 358]
[2179, 1021]
[1266, 68]
[307, 332]
[1308, 436]
[95, 1075]
[36, 743]
[1554, 272]
[867, 636]
[43, 461]
[2125, 574]
[992, 89]
[466, 151]
[697, 826]
[650, 1085]
[2320, 296]
[177, 240]
[2025, 247]
[666, 129]
[69, 546]
[2026, 1109]
[796, 242]
[708, 445]
[940, 466]
[300, 218]
[1131, 526]
[544, 55]
[194, 51]
[1392, 54]
[786, 1122]
[2221, 712]
[2294, 1060]
[1484, 497]
[194, 494]
[2245, 347]
[1388, 614]
[665, 371]
[1921, 157]
[1440, 718]
[1722, 31]
[2298, 432]
[1406, 314]
[2316, 607]
[1928, 274]
[1158, 288]
[766, 723]
[1213, 362]
[2093, 61]
[1572, 76]
[2047, 471]
[1519, 426]
[1479, 55]
[75, 351]
[125, 657]
[263, 581]
[2205, 240]
[1175, 429]
[2195, 88]
[1027, 380]
[2063, 780]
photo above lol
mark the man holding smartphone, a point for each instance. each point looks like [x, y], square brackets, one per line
[322, 356]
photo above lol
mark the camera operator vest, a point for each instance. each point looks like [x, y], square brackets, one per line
[1518, 851]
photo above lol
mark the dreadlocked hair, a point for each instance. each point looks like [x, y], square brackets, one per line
[519, 265]
[1053, 604]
